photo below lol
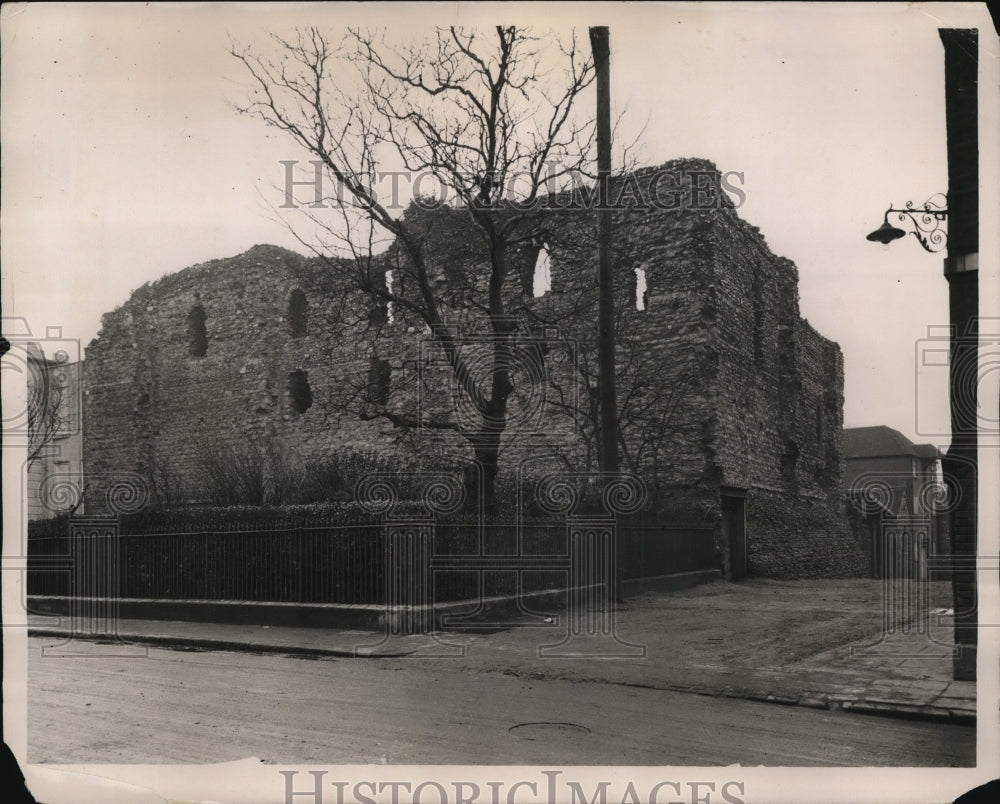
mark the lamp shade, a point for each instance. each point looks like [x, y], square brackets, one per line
[886, 233]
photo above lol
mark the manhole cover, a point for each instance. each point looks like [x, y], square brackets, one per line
[533, 731]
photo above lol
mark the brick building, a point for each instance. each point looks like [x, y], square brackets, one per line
[730, 403]
[892, 480]
[908, 472]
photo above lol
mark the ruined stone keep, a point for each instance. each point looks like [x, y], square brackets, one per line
[730, 403]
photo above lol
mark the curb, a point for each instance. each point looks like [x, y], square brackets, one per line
[200, 644]
[912, 712]
[827, 701]
[832, 702]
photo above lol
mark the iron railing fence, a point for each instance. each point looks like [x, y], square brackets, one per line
[346, 563]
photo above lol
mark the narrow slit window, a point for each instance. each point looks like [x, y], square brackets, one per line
[790, 458]
[389, 312]
[197, 334]
[542, 280]
[298, 313]
[640, 289]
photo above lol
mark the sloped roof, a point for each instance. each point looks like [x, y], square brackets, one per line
[881, 441]
[927, 451]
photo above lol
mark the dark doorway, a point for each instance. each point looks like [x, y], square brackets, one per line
[734, 534]
[878, 547]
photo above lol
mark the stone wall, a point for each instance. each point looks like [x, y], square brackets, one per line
[158, 407]
[721, 383]
[779, 423]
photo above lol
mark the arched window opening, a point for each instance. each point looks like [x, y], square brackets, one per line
[640, 289]
[298, 313]
[542, 280]
[197, 334]
[299, 391]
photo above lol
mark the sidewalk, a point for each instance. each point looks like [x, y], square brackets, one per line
[805, 643]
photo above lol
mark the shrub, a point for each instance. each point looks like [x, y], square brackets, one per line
[249, 473]
[48, 528]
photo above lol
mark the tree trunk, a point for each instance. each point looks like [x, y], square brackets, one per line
[487, 450]
[494, 418]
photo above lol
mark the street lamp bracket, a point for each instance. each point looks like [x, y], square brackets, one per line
[926, 223]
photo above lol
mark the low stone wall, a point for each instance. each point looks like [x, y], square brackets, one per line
[464, 614]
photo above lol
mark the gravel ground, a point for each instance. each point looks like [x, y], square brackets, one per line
[777, 622]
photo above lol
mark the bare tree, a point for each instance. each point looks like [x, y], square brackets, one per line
[491, 119]
[651, 397]
[47, 417]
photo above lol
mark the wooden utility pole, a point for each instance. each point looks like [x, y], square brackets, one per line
[606, 313]
[608, 457]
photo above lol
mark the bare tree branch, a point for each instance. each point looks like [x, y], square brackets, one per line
[479, 117]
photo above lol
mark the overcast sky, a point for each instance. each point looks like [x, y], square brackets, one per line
[123, 158]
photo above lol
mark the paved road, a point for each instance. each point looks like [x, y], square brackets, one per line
[185, 707]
